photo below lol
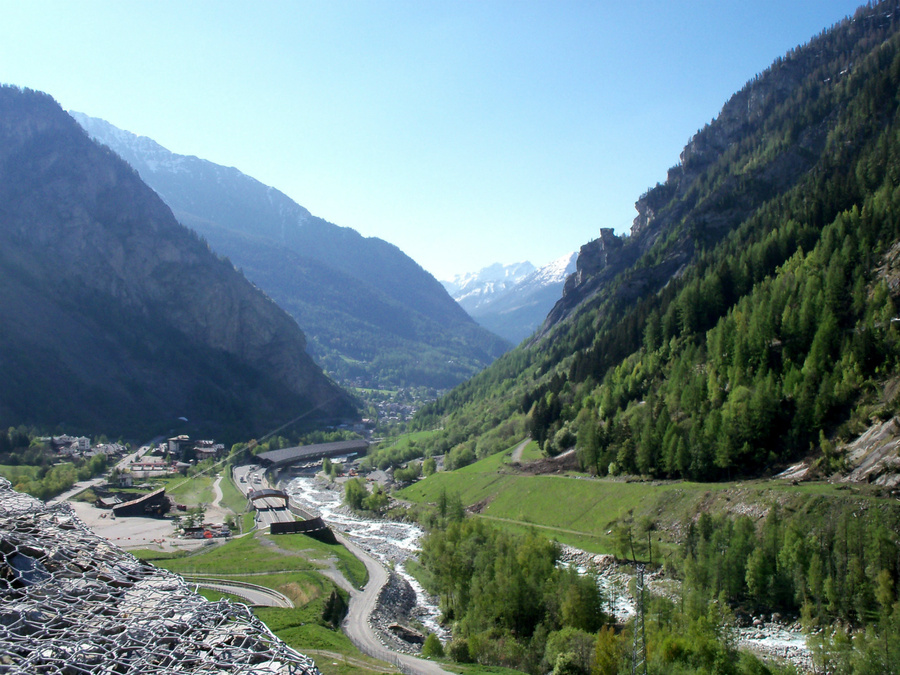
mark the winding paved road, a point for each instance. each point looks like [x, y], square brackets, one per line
[362, 604]
[252, 593]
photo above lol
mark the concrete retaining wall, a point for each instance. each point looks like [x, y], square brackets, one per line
[299, 511]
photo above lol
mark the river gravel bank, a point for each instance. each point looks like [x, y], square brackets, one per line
[397, 603]
[392, 543]
[404, 601]
[768, 637]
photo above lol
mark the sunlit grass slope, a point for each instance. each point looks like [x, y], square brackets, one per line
[579, 510]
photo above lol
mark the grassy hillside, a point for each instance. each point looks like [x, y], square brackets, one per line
[290, 565]
[823, 553]
[582, 511]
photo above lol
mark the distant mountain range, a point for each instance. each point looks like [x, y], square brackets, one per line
[512, 300]
[473, 289]
[119, 320]
[372, 315]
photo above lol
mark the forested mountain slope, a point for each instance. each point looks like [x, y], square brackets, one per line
[116, 318]
[370, 312]
[747, 319]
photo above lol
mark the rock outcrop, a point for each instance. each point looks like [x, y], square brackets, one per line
[698, 204]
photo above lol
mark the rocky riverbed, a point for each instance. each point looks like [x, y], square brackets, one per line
[398, 612]
[403, 600]
[777, 640]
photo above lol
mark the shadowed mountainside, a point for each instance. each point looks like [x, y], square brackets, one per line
[371, 313]
[116, 317]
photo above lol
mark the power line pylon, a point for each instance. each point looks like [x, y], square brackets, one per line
[639, 645]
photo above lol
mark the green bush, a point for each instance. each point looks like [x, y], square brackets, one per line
[458, 650]
[433, 647]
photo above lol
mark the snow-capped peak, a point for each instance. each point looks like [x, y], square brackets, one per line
[154, 156]
[495, 277]
[509, 299]
[478, 289]
[556, 271]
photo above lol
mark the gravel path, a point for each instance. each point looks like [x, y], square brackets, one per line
[217, 491]
[215, 512]
[519, 449]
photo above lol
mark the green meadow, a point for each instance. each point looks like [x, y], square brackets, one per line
[580, 510]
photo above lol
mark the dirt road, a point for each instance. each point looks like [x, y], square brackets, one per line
[517, 452]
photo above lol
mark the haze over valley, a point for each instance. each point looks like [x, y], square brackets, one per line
[373, 317]
[671, 446]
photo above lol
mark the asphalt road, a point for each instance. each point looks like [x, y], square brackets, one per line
[362, 604]
[253, 594]
[268, 511]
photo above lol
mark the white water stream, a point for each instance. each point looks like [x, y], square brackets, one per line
[766, 639]
[390, 542]
[394, 543]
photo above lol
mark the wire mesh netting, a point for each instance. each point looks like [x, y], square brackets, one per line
[72, 603]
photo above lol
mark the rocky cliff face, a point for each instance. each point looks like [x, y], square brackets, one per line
[699, 204]
[599, 261]
[143, 314]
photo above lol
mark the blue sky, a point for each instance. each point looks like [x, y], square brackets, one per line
[466, 133]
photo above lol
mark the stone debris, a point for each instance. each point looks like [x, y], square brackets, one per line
[874, 455]
[779, 641]
[396, 607]
[71, 602]
[797, 472]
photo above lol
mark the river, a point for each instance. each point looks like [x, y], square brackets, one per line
[769, 639]
[392, 543]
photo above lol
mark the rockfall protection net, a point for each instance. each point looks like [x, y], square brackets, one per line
[72, 603]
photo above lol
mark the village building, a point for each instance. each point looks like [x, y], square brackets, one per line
[70, 445]
[178, 444]
[186, 450]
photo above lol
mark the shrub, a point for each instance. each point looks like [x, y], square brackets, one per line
[433, 647]
[458, 650]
